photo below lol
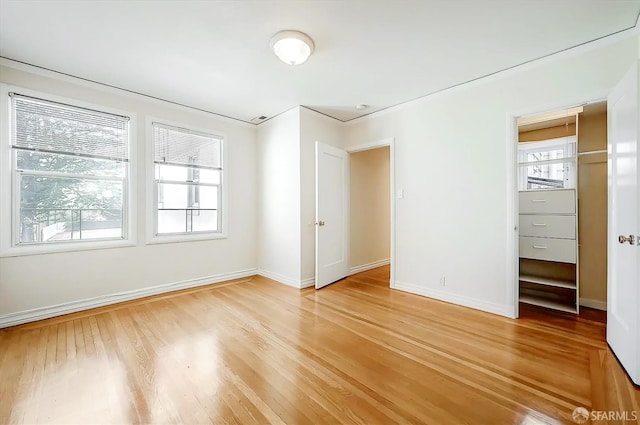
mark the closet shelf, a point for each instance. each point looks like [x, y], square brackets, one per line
[549, 252]
[546, 303]
[547, 281]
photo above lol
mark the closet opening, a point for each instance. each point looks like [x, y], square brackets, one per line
[562, 211]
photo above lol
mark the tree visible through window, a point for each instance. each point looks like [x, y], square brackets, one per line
[71, 167]
[188, 181]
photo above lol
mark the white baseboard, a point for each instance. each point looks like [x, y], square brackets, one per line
[307, 283]
[597, 304]
[489, 307]
[311, 281]
[286, 280]
[369, 266]
[41, 313]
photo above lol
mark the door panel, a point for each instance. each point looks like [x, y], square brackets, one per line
[623, 294]
[332, 212]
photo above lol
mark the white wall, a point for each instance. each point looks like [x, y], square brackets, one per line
[286, 176]
[39, 281]
[313, 127]
[279, 193]
[452, 160]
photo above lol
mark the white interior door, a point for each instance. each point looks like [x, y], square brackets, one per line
[332, 214]
[623, 294]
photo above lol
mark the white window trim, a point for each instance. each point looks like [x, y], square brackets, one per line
[7, 246]
[151, 216]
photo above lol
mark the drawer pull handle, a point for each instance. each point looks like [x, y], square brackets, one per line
[539, 224]
[537, 201]
[539, 247]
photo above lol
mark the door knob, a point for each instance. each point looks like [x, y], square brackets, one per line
[320, 223]
[631, 239]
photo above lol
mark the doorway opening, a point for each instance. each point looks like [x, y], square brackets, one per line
[363, 207]
[561, 204]
[370, 209]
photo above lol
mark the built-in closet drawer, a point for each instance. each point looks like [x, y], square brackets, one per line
[548, 249]
[548, 201]
[548, 226]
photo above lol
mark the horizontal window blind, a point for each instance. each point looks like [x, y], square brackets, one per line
[45, 126]
[177, 146]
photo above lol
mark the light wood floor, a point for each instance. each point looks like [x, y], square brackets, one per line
[254, 351]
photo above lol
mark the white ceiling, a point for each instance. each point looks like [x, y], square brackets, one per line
[214, 55]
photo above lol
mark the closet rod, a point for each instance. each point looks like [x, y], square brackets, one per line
[592, 152]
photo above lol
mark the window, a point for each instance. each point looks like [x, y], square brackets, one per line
[547, 164]
[70, 169]
[187, 167]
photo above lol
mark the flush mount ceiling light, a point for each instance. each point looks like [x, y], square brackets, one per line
[292, 47]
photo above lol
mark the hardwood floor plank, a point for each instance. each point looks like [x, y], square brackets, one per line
[19, 370]
[357, 364]
[117, 404]
[356, 352]
[458, 344]
[304, 380]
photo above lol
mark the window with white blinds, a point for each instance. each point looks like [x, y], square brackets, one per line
[187, 181]
[71, 167]
[52, 127]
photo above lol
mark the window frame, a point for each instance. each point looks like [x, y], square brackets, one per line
[152, 194]
[569, 146]
[10, 192]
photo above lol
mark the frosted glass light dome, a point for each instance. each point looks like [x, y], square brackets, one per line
[292, 47]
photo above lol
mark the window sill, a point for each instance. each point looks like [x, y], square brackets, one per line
[24, 250]
[185, 238]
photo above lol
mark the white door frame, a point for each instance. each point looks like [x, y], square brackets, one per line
[513, 260]
[392, 195]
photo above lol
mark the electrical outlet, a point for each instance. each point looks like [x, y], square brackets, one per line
[443, 281]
